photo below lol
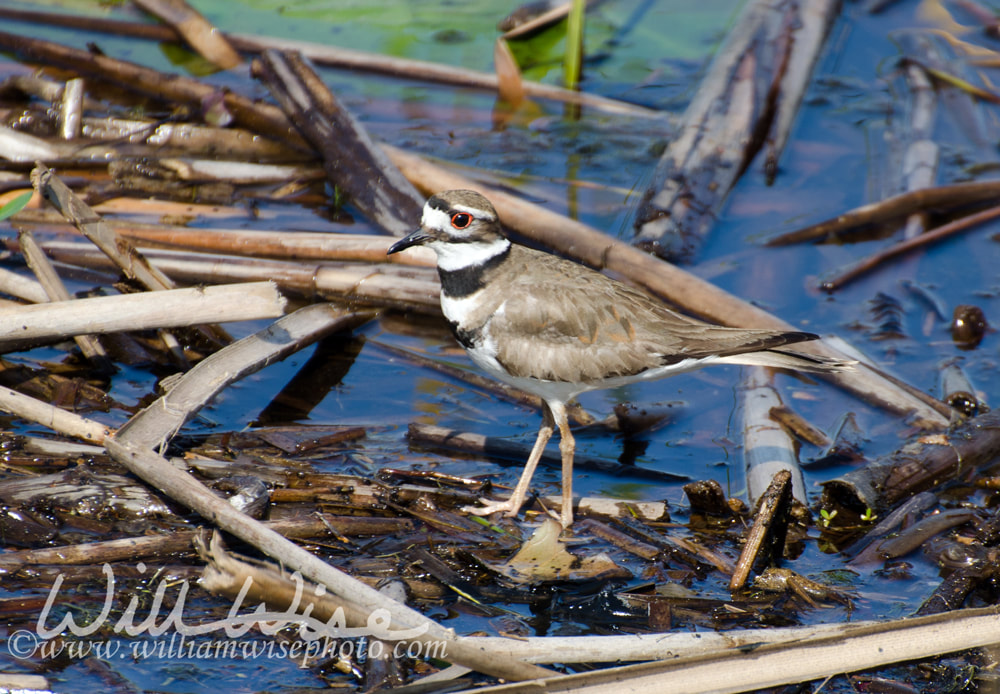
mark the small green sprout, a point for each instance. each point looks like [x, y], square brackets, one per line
[827, 516]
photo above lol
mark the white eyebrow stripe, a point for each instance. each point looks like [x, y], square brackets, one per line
[435, 219]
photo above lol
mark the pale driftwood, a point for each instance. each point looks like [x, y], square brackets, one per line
[414, 288]
[171, 308]
[71, 109]
[54, 447]
[283, 245]
[154, 425]
[94, 228]
[193, 139]
[360, 599]
[23, 683]
[229, 171]
[767, 447]
[763, 664]
[344, 58]
[22, 287]
[767, 57]
[691, 293]
[199, 33]
[22, 147]
[660, 646]
[39, 263]
[920, 159]
[353, 163]
[57, 419]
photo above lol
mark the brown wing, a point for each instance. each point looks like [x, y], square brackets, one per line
[564, 322]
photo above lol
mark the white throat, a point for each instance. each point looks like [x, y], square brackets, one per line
[458, 256]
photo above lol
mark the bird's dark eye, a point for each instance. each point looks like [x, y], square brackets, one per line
[460, 220]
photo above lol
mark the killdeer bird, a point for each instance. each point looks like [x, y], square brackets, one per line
[556, 328]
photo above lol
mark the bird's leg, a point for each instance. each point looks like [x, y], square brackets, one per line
[513, 504]
[567, 446]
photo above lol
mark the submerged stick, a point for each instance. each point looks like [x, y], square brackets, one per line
[767, 447]
[759, 74]
[427, 435]
[902, 205]
[868, 264]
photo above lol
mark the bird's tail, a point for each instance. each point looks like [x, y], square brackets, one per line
[789, 359]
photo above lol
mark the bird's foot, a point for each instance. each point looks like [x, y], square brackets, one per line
[565, 519]
[488, 507]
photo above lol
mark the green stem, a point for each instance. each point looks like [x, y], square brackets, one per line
[574, 44]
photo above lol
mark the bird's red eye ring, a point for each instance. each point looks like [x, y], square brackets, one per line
[461, 220]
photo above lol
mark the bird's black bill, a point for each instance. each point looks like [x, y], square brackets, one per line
[412, 239]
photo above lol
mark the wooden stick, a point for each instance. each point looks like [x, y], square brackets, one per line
[353, 163]
[56, 290]
[204, 38]
[767, 447]
[153, 426]
[413, 288]
[256, 243]
[22, 287]
[767, 535]
[917, 466]
[94, 228]
[105, 314]
[55, 418]
[263, 118]
[767, 664]
[906, 245]
[767, 55]
[897, 206]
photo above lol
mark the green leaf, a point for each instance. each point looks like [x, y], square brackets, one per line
[15, 205]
